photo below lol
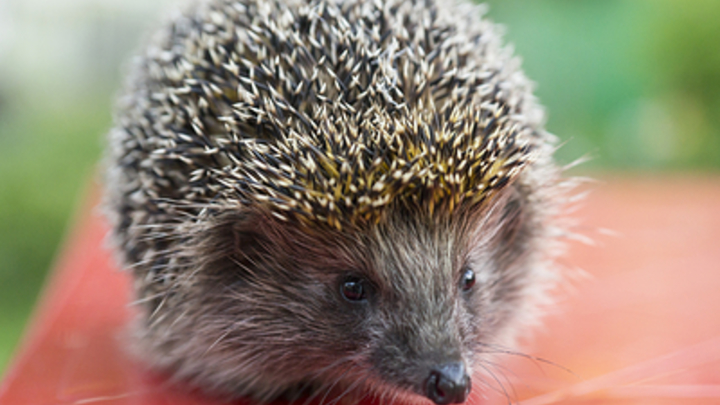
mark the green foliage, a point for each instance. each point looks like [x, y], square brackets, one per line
[634, 84]
[685, 49]
[47, 154]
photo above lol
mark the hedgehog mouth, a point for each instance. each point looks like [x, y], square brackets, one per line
[442, 386]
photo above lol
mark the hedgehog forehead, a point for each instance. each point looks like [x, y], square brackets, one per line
[352, 174]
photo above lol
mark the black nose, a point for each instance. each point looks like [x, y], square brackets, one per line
[448, 384]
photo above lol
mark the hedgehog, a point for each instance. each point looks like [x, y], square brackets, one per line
[333, 199]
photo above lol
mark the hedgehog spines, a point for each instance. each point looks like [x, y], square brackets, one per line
[315, 114]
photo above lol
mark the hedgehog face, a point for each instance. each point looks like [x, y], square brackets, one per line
[405, 307]
[442, 305]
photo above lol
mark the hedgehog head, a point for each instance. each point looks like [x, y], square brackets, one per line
[308, 190]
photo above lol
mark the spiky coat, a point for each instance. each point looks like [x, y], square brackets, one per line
[264, 147]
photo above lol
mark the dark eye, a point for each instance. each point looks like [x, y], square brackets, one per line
[468, 279]
[354, 289]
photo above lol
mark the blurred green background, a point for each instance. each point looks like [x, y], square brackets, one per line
[633, 84]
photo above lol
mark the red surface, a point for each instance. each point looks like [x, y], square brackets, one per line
[643, 328]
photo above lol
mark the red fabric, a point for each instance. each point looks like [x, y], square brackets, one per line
[644, 328]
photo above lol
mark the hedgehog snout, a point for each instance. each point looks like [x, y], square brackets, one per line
[448, 383]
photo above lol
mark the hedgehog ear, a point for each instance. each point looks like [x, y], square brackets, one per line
[514, 229]
[245, 231]
[497, 223]
[232, 242]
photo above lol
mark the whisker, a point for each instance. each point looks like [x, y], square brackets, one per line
[501, 370]
[348, 390]
[499, 383]
[501, 350]
[332, 386]
[317, 392]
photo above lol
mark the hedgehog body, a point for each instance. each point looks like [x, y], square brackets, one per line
[332, 196]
